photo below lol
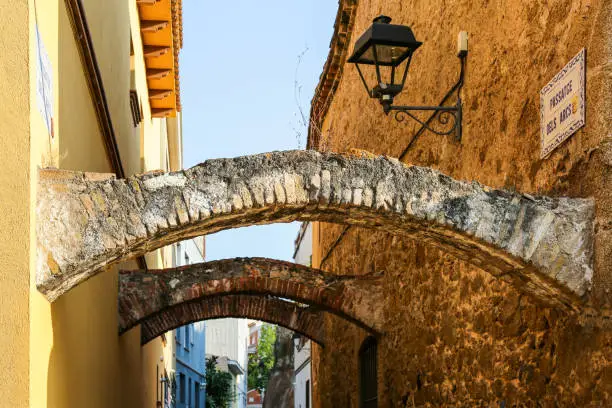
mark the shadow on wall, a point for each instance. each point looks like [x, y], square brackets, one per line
[90, 365]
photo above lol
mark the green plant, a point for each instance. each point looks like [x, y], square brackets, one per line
[261, 362]
[219, 386]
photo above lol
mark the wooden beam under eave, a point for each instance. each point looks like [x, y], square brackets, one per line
[152, 51]
[147, 2]
[157, 73]
[153, 26]
[161, 112]
[159, 93]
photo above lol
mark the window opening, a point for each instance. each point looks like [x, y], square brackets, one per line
[368, 378]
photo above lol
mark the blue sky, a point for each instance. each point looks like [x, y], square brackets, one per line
[238, 92]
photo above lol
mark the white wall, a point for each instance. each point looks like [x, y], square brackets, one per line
[229, 337]
[303, 254]
[301, 355]
[301, 378]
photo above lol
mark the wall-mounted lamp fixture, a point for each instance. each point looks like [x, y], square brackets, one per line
[296, 340]
[387, 46]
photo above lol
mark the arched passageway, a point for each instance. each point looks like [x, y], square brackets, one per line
[541, 245]
[161, 300]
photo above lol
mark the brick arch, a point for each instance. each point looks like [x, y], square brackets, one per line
[168, 298]
[305, 320]
[542, 245]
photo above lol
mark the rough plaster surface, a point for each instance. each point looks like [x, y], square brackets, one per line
[87, 221]
[455, 337]
[299, 318]
[145, 294]
[16, 202]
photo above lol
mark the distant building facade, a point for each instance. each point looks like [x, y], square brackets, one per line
[254, 399]
[302, 346]
[302, 371]
[303, 245]
[189, 352]
[227, 339]
[254, 335]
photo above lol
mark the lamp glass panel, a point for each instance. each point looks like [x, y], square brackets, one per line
[369, 74]
[386, 54]
[390, 54]
[368, 56]
[385, 74]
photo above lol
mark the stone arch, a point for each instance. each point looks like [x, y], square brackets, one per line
[542, 245]
[169, 298]
[305, 320]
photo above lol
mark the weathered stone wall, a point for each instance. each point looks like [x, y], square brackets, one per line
[542, 245]
[454, 336]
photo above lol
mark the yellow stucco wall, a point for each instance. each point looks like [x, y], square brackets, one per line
[113, 52]
[76, 358]
[14, 202]
[81, 146]
[43, 153]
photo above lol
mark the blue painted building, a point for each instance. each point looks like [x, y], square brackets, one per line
[190, 365]
[187, 344]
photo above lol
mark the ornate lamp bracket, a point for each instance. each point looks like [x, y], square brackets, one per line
[447, 116]
[388, 47]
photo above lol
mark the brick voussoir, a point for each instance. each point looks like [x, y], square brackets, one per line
[175, 287]
[269, 309]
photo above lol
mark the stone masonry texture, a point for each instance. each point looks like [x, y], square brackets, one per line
[541, 245]
[162, 299]
[454, 335]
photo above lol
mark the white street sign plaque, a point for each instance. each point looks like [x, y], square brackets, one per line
[562, 104]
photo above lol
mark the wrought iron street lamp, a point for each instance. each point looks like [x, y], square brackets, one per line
[388, 47]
